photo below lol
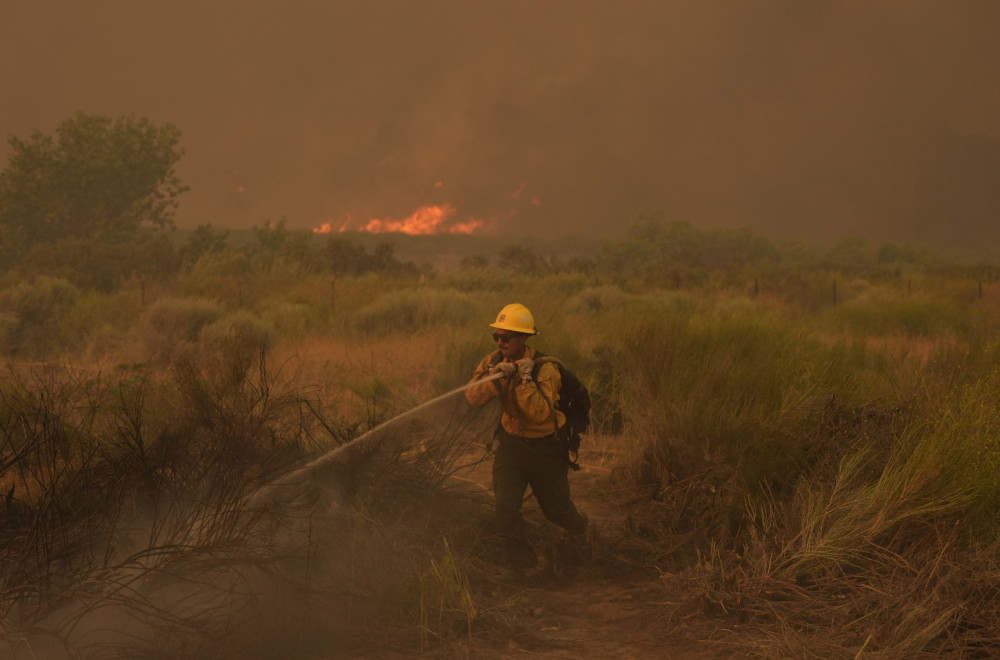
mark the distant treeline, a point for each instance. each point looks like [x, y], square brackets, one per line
[95, 203]
[654, 252]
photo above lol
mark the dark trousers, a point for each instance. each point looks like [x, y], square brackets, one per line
[542, 464]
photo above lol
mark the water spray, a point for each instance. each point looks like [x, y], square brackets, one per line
[358, 443]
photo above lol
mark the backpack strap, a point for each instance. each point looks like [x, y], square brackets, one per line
[538, 367]
[555, 420]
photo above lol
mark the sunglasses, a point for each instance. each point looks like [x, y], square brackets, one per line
[498, 337]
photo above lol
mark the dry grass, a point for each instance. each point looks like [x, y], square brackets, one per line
[144, 535]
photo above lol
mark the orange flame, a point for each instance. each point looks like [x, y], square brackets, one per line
[327, 227]
[425, 220]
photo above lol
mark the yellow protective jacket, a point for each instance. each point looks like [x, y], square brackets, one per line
[527, 407]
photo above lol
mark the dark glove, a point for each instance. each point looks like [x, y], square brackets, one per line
[524, 368]
[507, 368]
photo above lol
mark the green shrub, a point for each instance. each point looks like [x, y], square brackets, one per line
[33, 314]
[290, 319]
[9, 325]
[171, 327]
[221, 275]
[240, 326]
[411, 309]
[41, 300]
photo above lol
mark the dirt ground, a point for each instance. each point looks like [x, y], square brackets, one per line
[605, 608]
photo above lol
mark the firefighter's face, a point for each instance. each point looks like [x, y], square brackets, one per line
[511, 344]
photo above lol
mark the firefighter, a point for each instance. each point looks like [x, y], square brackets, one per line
[528, 449]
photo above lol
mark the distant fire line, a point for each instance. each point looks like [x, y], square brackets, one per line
[433, 219]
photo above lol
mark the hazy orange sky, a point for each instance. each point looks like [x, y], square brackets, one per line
[805, 119]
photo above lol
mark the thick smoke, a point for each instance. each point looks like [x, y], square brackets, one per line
[306, 566]
[804, 120]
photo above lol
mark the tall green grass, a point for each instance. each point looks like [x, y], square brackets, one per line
[784, 468]
[915, 317]
[895, 550]
[723, 388]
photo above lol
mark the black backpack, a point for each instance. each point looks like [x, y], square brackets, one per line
[574, 402]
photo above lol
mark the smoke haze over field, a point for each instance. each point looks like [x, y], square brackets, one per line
[800, 119]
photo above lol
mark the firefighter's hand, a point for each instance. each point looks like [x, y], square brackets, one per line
[524, 367]
[506, 368]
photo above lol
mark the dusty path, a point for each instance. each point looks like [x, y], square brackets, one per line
[606, 609]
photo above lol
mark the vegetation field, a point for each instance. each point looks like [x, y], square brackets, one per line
[794, 450]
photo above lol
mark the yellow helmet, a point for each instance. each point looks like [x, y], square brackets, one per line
[516, 318]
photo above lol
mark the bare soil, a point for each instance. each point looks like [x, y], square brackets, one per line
[607, 606]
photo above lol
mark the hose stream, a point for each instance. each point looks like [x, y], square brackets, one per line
[334, 455]
[359, 442]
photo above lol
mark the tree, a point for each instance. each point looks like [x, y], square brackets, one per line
[345, 258]
[851, 255]
[276, 243]
[203, 240]
[95, 179]
[522, 258]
